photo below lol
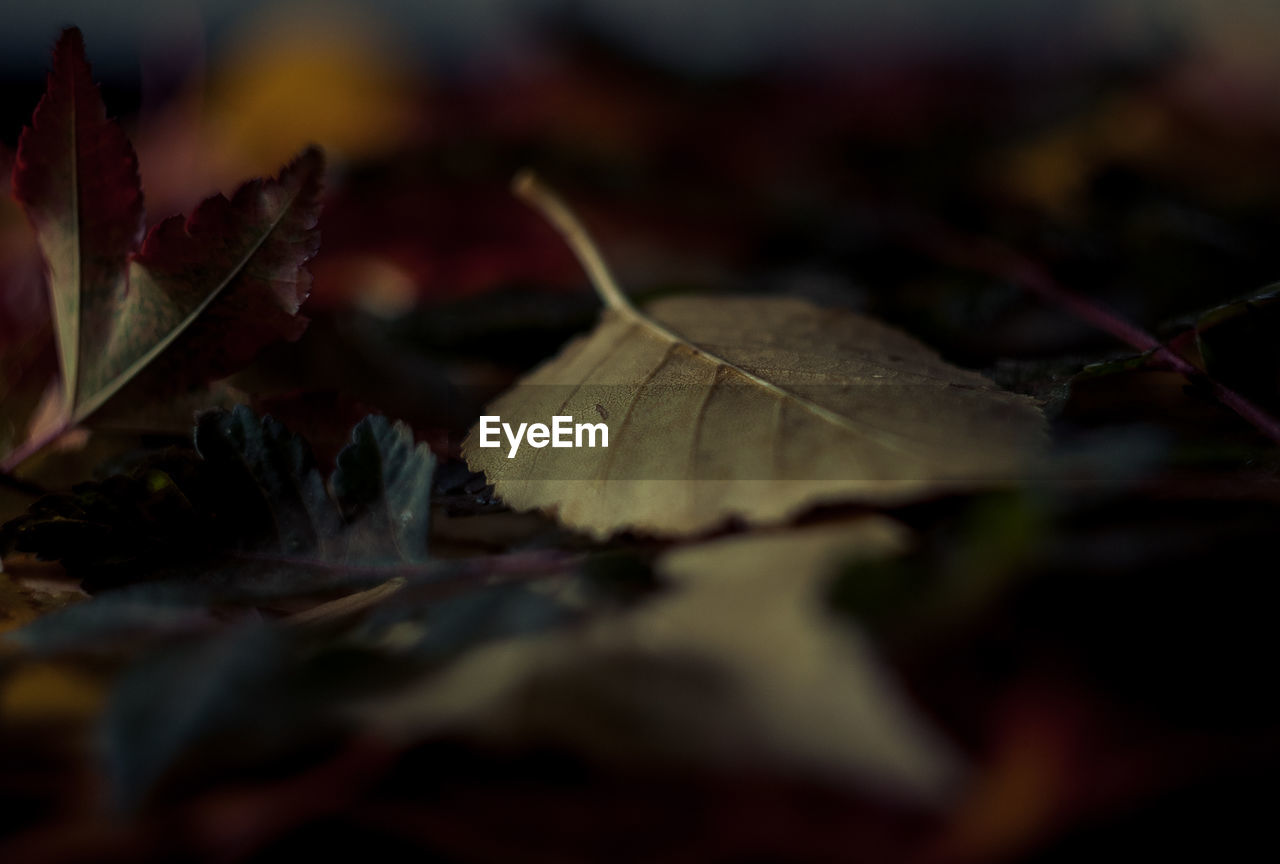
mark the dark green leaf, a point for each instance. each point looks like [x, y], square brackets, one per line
[383, 485]
[251, 494]
[275, 467]
[173, 697]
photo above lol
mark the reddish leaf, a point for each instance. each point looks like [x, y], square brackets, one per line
[23, 305]
[28, 359]
[201, 296]
[77, 177]
[207, 293]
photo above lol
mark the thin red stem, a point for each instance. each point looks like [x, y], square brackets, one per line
[984, 256]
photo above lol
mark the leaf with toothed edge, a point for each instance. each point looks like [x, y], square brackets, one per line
[277, 468]
[251, 495]
[76, 176]
[752, 408]
[383, 485]
[195, 300]
[207, 293]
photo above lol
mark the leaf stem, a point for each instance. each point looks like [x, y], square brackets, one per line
[984, 256]
[528, 187]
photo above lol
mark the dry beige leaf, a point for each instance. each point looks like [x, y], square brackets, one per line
[811, 685]
[739, 664]
[348, 605]
[749, 407]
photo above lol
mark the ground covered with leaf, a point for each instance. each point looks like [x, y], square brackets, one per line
[934, 524]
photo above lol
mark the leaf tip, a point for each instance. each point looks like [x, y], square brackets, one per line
[70, 58]
[70, 39]
[524, 183]
[309, 163]
[530, 189]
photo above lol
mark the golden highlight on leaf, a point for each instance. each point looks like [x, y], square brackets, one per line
[750, 407]
[753, 605]
[738, 664]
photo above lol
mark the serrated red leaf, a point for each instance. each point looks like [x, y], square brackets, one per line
[76, 176]
[200, 297]
[226, 282]
[23, 305]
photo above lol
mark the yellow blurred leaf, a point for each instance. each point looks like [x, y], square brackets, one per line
[46, 691]
[1053, 169]
[739, 664]
[305, 77]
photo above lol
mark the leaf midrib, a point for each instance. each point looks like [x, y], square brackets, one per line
[529, 187]
[70, 346]
[113, 387]
[881, 437]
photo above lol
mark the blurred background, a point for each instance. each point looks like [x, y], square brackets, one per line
[674, 113]
[719, 124]
[793, 145]
[1100, 649]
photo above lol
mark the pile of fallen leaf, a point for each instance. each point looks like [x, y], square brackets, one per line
[827, 594]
